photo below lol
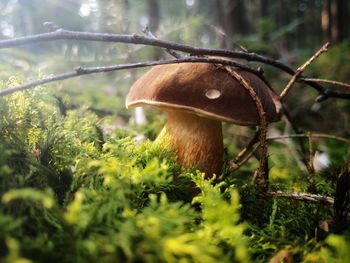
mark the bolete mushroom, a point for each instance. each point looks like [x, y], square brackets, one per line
[197, 98]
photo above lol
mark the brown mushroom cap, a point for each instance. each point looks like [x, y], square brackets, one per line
[205, 90]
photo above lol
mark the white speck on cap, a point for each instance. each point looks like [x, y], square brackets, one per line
[212, 94]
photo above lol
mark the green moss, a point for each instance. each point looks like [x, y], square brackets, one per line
[71, 192]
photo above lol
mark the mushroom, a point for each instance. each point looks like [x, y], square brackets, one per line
[198, 97]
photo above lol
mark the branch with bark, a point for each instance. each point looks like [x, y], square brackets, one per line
[300, 70]
[313, 198]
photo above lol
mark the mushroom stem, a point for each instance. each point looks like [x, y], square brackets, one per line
[195, 140]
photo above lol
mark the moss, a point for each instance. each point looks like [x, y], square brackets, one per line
[70, 192]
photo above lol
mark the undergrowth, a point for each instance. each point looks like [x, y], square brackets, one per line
[70, 193]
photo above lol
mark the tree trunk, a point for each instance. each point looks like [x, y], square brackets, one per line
[342, 19]
[333, 20]
[153, 23]
[234, 20]
[326, 20]
[263, 7]
[154, 15]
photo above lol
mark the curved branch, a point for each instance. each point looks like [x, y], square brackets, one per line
[261, 179]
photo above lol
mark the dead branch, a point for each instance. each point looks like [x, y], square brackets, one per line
[300, 70]
[327, 81]
[313, 198]
[313, 135]
[253, 141]
[62, 34]
[235, 166]
[90, 70]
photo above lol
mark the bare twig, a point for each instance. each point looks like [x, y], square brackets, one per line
[90, 70]
[327, 81]
[61, 34]
[303, 197]
[235, 166]
[313, 135]
[254, 140]
[300, 70]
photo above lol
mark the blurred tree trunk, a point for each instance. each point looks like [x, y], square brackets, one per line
[286, 13]
[304, 29]
[334, 25]
[153, 23]
[263, 7]
[126, 21]
[234, 20]
[221, 20]
[342, 19]
[154, 15]
[326, 19]
[333, 20]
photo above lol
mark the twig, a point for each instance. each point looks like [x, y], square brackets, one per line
[90, 70]
[254, 140]
[327, 81]
[300, 70]
[313, 135]
[314, 198]
[235, 166]
[236, 163]
[260, 180]
[61, 34]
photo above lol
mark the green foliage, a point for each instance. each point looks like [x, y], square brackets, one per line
[336, 251]
[222, 221]
[289, 225]
[71, 192]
